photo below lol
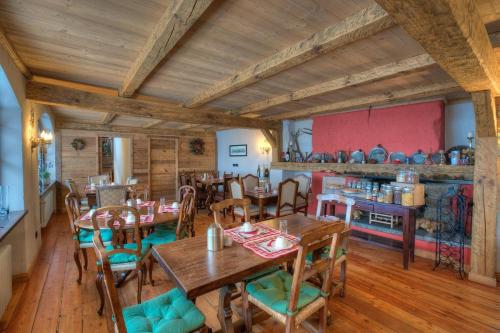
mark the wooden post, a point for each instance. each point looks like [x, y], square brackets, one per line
[483, 258]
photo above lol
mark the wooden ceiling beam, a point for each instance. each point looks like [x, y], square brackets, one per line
[358, 26]
[49, 94]
[153, 123]
[454, 35]
[387, 71]
[108, 118]
[495, 39]
[373, 100]
[6, 44]
[173, 25]
[85, 126]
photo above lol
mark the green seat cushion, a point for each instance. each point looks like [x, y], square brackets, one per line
[122, 258]
[171, 312]
[163, 236]
[166, 226]
[325, 252]
[273, 290]
[86, 236]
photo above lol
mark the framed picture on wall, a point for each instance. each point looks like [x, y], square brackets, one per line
[237, 150]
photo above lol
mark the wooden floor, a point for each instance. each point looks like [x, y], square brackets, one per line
[381, 297]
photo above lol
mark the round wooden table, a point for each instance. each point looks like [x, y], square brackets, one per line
[159, 218]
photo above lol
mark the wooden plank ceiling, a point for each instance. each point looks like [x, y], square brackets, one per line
[247, 61]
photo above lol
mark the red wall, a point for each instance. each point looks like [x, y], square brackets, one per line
[404, 128]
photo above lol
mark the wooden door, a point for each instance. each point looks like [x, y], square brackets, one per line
[163, 168]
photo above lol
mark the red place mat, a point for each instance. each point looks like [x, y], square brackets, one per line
[147, 204]
[167, 209]
[242, 236]
[88, 217]
[262, 246]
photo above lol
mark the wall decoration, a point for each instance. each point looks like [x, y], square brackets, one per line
[237, 150]
[78, 144]
[197, 146]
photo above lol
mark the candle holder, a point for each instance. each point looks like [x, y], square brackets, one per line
[469, 154]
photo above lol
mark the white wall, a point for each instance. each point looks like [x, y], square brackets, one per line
[247, 164]
[459, 120]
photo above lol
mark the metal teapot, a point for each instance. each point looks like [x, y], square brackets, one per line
[215, 237]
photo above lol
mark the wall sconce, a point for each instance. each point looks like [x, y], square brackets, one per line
[265, 148]
[45, 138]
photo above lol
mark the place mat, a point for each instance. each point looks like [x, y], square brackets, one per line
[167, 209]
[88, 217]
[147, 204]
[240, 236]
[263, 246]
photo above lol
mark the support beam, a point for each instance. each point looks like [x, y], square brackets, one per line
[153, 123]
[358, 26]
[484, 224]
[49, 94]
[173, 25]
[378, 73]
[5, 43]
[454, 35]
[108, 118]
[127, 129]
[270, 137]
[373, 100]
[495, 39]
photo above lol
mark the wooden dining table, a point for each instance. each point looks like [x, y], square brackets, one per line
[262, 199]
[197, 271]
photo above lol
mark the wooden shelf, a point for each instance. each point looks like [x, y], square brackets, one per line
[427, 172]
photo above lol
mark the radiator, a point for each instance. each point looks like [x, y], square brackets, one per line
[5, 277]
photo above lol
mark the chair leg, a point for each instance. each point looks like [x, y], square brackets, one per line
[343, 277]
[76, 256]
[150, 269]
[85, 259]
[290, 325]
[140, 278]
[247, 311]
[322, 319]
[100, 289]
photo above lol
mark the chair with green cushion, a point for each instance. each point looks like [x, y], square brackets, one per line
[170, 312]
[289, 298]
[81, 237]
[332, 198]
[120, 255]
[185, 228]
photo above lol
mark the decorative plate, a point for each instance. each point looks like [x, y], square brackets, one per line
[419, 157]
[357, 156]
[397, 156]
[377, 155]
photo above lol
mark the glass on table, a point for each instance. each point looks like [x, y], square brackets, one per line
[162, 201]
[151, 210]
[284, 227]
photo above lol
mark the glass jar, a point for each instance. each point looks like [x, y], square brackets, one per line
[381, 196]
[374, 194]
[407, 197]
[368, 194]
[401, 176]
[412, 177]
[389, 194]
[397, 195]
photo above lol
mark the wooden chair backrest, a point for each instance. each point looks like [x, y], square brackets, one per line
[116, 223]
[138, 191]
[183, 179]
[249, 182]
[97, 179]
[304, 185]
[287, 195]
[217, 207]
[329, 197]
[110, 195]
[183, 190]
[236, 189]
[185, 224]
[73, 210]
[314, 241]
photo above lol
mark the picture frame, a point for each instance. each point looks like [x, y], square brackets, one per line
[238, 150]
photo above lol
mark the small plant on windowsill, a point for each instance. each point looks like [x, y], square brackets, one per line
[45, 177]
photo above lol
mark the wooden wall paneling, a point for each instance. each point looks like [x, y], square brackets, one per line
[163, 167]
[198, 163]
[484, 223]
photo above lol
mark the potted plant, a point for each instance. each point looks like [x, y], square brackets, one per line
[45, 177]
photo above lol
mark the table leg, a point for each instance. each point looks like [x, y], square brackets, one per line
[413, 222]
[406, 238]
[225, 313]
[261, 209]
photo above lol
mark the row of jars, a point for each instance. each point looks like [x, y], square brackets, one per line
[391, 194]
[409, 176]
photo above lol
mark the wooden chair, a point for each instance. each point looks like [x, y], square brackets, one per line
[302, 203]
[72, 188]
[344, 237]
[120, 255]
[287, 197]
[161, 308]
[184, 229]
[217, 207]
[98, 179]
[73, 210]
[236, 192]
[111, 195]
[202, 194]
[183, 179]
[303, 299]
[250, 182]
